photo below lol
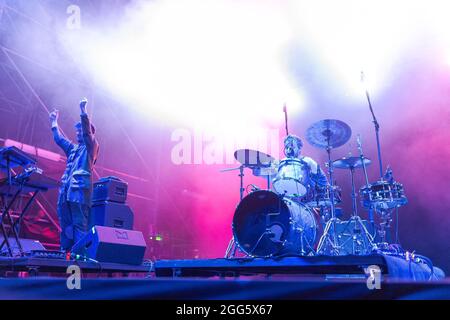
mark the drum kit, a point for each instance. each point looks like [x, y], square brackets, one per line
[293, 217]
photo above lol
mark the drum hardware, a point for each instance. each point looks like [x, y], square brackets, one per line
[285, 119]
[352, 163]
[383, 231]
[366, 177]
[261, 165]
[241, 179]
[354, 237]
[267, 173]
[328, 134]
[231, 248]
[320, 197]
[360, 236]
[381, 197]
[377, 128]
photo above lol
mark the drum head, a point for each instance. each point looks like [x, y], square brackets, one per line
[261, 223]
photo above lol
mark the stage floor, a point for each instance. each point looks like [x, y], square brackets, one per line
[286, 288]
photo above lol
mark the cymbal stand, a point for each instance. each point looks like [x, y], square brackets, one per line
[330, 237]
[241, 178]
[232, 247]
[359, 232]
[377, 129]
[366, 177]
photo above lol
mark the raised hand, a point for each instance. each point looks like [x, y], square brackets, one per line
[83, 104]
[54, 116]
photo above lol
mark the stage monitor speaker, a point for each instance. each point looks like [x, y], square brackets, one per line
[106, 244]
[112, 214]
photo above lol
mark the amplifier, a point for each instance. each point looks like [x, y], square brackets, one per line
[106, 244]
[112, 214]
[110, 189]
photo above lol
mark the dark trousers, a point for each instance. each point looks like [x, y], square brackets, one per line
[74, 222]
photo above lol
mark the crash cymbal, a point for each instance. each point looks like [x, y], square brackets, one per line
[253, 159]
[350, 163]
[328, 133]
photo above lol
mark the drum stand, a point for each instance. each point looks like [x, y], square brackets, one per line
[359, 232]
[330, 237]
[385, 225]
[232, 247]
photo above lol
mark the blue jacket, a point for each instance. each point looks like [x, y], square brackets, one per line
[76, 182]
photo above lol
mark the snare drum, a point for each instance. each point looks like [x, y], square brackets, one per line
[292, 178]
[383, 195]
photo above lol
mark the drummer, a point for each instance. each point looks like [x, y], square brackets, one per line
[292, 149]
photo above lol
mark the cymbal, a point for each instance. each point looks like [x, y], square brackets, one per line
[350, 163]
[328, 133]
[253, 159]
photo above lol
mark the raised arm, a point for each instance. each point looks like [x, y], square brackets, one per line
[317, 174]
[88, 131]
[59, 138]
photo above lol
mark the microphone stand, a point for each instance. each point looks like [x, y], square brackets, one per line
[377, 130]
[285, 119]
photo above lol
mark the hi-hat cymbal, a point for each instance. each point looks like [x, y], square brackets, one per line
[253, 159]
[350, 163]
[328, 133]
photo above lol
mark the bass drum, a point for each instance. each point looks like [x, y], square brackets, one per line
[265, 225]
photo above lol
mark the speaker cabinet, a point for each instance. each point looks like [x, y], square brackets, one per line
[106, 244]
[110, 189]
[112, 214]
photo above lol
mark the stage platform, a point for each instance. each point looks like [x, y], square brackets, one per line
[319, 277]
[36, 266]
[391, 266]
